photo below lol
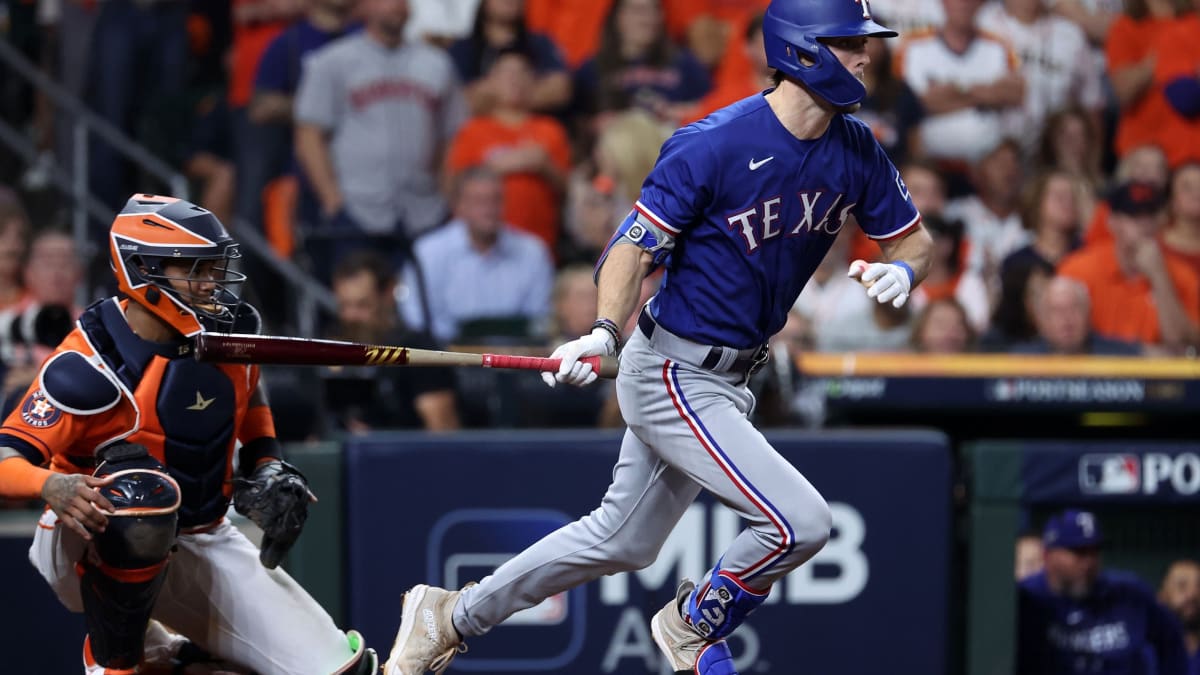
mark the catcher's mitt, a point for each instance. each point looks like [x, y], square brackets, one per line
[276, 498]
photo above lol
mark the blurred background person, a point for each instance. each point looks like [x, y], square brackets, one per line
[943, 327]
[991, 212]
[1180, 593]
[749, 82]
[967, 82]
[1074, 617]
[1182, 234]
[891, 108]
[1143, 164]
[1013, 321]
[373, 117]
[530, 151]
[1071, 143]
[500, 26]
[478, 267]
[440, 22]
[1141, 293]
[1028, 554]
[362, 399]
[637, 64]
[1050, 213]
[1056, 64]
[1062, 315]
[14, 243]
[950, 275]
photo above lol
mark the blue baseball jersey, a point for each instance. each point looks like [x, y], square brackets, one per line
[1119, 629]
[752, 210]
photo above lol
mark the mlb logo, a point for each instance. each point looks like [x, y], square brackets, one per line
[1109, 474]
[469, 544]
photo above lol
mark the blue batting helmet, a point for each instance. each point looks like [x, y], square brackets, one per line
[791, 30]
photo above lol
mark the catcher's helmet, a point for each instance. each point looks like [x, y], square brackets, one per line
[152, 231]
[793, 28]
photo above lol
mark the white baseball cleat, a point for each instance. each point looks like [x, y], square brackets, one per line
[427, 639]
[685, 649]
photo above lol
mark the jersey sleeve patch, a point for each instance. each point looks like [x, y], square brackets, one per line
[38, 411]
[72, 384]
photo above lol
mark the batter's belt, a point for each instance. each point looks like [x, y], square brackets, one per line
[716, 359]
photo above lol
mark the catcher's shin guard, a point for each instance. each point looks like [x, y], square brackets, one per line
[722, 604]
[364, 662]
[120, 583]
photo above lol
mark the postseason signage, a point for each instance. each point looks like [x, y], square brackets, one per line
[1121, 471]
[449, 510]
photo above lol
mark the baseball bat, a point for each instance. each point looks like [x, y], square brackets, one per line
[292, 351]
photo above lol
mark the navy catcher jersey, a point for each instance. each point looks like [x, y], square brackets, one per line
[753, 210]
[1119, 629]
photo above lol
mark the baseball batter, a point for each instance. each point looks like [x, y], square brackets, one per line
[740, 208]
[133, 445]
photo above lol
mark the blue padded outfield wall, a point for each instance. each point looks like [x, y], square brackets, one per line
[447, 510]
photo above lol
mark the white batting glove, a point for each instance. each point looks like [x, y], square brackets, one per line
[886, 282]
[598, 343]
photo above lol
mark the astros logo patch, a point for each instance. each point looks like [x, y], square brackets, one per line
[38, 411]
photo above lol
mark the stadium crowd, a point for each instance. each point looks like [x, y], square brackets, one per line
[452, 169]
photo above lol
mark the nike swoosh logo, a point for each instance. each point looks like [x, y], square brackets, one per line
[201, 402]
[755, 164]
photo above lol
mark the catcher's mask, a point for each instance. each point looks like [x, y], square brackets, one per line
[153, 233]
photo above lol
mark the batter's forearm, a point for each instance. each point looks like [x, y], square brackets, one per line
[620, 282]
[914, 248]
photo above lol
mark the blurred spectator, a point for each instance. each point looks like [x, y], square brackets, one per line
[14, 241]
[51, 274]
[1143, 164]
[255, 24]
[574, 303]
[1180, 593]
[478, 267]
[590, 218]
[573, 26]
[752, 81]
[1177, 71]
[277, 77]
[602, 191]
[926, 186]
[966, 81]
[943, 327]
[711, 30]
[1062, 315]
[1056, 63]
[1022, 280]
[950, 277]
[1141, 293]
[1073, 617]
[1049, 212]
[377, 186]
[499, 27]
[890, 108]
[637, 65]
[1182, 236]
[139, 59]
[1028, 554]
[1070, 143]
[207, 147]
[991, 214]
[440, 22]
[625, 152]
[530, 151]
[362, 399]
[1135, 42]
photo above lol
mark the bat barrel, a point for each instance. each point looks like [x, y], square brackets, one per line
[234, 348]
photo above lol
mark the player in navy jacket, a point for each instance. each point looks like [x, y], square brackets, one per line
[1074, 617]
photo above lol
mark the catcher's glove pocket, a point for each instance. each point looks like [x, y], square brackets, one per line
[275, 498]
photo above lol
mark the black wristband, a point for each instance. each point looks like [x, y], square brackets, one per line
[610, 327]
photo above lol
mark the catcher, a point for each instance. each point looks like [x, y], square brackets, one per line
[138, 449]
